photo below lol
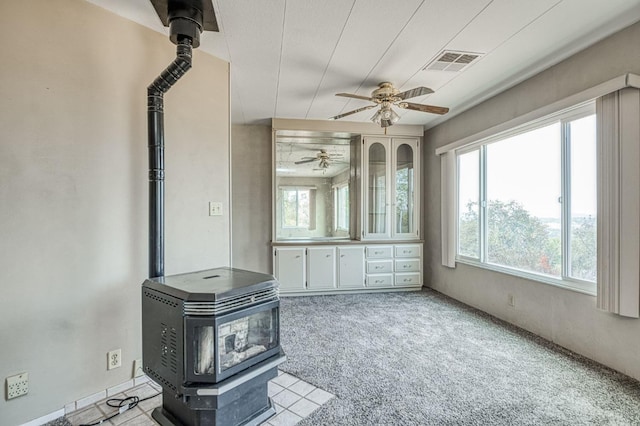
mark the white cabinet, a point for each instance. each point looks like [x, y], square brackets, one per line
[407, 250]
[407, 265]
[379, 266]
[379, 252]
[321, 268]
[289, 267]
[390, 180]
[394, 266]
[351, 267]
[407, 280]
[380, 280]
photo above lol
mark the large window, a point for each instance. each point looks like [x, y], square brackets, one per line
[527, 200]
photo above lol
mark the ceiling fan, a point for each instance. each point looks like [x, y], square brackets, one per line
[323, 158]
[385, 96]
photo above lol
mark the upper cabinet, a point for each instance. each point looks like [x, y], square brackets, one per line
[390, 180]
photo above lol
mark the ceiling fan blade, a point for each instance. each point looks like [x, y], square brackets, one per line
[305, 161]
[416, 91]
[424, 108]
[349, 95]
[353, 112]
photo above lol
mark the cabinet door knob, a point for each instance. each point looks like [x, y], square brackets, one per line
[328, 255]
[342, 255]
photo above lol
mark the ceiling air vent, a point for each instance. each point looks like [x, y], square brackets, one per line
[450, 60]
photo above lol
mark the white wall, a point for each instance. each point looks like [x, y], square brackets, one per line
[562, 316]
[73, 191]
[251, 197]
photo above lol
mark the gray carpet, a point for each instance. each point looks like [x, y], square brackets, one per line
[421, 358]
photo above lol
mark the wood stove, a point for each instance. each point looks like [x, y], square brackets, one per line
[212, 340]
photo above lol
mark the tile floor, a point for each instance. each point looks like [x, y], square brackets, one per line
[294, 400]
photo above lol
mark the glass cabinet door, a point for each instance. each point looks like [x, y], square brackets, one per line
[377, 189]
[392, 194]
[404, 191]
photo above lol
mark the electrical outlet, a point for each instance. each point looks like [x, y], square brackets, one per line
[215, 209]
[511, 300]
[137, 368]
[17, 385]
[114, 359]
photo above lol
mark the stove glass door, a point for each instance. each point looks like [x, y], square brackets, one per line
[225, 345]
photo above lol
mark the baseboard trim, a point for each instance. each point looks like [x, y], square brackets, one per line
[88, 400]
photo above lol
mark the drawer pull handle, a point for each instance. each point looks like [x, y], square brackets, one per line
[328, 255]
[407, 280]
[379, 281]
[378, 267]
[342, 255]
[406, 266]
[378, 252]
[298, 257]
[406, 251]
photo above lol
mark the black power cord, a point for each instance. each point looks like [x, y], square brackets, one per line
[122, 404]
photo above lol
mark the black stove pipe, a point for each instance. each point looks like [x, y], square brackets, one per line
[155, 130]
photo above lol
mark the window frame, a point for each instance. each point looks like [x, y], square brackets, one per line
[564, 280]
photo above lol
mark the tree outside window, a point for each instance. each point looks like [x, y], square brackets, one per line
[528, 201]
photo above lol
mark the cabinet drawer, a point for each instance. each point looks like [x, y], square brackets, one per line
[408, 251]
[381, 280]
[408, 265]
[379, 266]
[378, 252]
[410, 279]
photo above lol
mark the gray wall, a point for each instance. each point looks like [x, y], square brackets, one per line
[562, 316]
[251, 197]
[73, 191]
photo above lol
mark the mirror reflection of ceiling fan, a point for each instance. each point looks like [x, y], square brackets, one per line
[386, 95]
[323, 157]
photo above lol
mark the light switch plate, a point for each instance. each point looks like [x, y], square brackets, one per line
[215, 208]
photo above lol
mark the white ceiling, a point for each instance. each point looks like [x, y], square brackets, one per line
[289, 58]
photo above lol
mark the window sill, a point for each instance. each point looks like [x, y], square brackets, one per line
[578, 286]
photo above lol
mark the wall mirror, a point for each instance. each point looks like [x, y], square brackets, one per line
[313, 185]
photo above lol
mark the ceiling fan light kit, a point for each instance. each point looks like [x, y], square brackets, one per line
[385, 96]
[385, 116]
